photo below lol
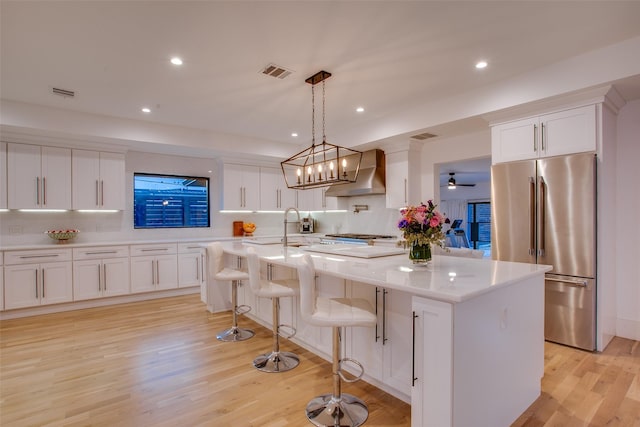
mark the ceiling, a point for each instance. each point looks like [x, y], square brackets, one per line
[385, 56]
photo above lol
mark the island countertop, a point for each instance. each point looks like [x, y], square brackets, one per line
[446, 278]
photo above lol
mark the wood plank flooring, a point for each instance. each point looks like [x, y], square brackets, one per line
[158, 363]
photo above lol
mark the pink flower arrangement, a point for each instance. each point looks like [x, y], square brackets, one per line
[422, 224]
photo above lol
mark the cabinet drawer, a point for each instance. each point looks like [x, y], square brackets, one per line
[189, 248]
[159, 249]
[36, 257]
[101, 252]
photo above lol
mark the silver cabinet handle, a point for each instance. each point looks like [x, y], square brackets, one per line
[535, 138]
[99, 279]
[413, 349]
[36, 283]
[157, 273]
[101, 252]
[384, 316]
[198, 269]
[43, 283]
[37, 190]
[104, 277]
[377, 333]
[102, 193]
[154, 249]
[44, 191]
[542, 136]
[202, 266]
[38, 256]
[97, 194]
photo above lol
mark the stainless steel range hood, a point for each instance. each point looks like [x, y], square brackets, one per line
[371, 177]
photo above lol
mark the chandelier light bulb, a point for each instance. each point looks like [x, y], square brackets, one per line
[299, 172]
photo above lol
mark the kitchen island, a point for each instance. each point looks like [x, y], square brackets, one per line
[461, 339]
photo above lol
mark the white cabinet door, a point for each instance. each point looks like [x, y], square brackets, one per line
[563, 132]
[397, 341]
[1, 288]
[241, 189]
[189, 270]
[57, 283]
[402, 178]
[115, 276]
[143, 274]
[166, 271]
[87, 279]
[432, 390]
[3, 175]
[38, 177]
[22, 286]
[98, 180]
[112, 179]
[274, 193]
[568, 132]
[516, 140]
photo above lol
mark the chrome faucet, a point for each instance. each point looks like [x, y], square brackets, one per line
[284, 239]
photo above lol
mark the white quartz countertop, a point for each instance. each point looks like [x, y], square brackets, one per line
[446, 278]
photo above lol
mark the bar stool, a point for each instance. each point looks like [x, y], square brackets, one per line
[336, 409]
[218, 272]
[276, 360]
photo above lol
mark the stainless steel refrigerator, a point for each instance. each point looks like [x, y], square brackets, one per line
[544, 212]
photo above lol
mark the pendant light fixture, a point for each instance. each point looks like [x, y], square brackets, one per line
[323, 164]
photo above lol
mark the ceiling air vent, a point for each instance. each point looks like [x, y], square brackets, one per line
[276, 71]
[63, 92]
[423, 136]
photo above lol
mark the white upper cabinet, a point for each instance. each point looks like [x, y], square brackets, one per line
[554, 134]
[38, 177]
[274, 193]
[241, 187]
[402, 178]
[3, 175]
[98, 180]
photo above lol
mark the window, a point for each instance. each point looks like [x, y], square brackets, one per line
[479, 225]
[167, 201]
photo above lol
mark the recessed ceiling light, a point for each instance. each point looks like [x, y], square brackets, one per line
[294, 134]
[360, 110]
[481, 64]
[176, 61]
[146, 110]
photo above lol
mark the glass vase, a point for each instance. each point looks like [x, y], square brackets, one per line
[420, 254]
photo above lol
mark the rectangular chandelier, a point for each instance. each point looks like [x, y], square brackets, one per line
[323, 164]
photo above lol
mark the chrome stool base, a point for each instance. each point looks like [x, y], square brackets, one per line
[328, 411]
[276, 361]
[235, 334]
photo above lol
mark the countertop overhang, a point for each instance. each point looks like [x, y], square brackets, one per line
[446, 278]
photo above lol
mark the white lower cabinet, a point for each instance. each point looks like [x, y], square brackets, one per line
[192, 267]
[34, 278]
[154, 267]
[264, 306]
[100, 272]
[383, 350]
[432, 368]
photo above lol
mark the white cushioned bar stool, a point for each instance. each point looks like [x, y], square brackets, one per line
[337, 409]
[276, 360]
[218, 272]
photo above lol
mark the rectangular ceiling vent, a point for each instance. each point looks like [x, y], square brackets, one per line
[63, 92]
[276, 71]
[423, 136]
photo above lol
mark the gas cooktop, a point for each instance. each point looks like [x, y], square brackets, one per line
[360, 236]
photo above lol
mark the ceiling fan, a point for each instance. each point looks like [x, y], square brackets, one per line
[452, 182]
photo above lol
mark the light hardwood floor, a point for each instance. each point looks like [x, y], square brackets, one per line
[158, 363]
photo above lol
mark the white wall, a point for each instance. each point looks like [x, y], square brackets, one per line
[625, 222]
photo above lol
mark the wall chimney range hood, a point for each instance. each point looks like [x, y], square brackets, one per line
[371, 177]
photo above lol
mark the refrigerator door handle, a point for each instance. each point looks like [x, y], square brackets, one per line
[581, 283]
[541, 203]
[532, 216]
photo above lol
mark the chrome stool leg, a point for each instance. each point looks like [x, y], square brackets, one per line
[337, 409]
[234, 333]
[276, 360]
